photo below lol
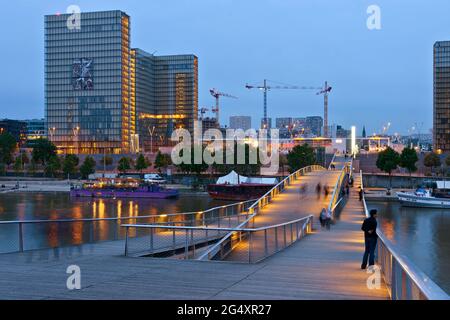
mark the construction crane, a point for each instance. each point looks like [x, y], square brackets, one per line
[217, 94]
[265, 88]
[202, 112]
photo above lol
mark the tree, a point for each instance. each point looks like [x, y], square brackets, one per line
[52, 166]
[70, 164]
[162, 161]
[88, 167]
[32, 167]
[283, 162]
[8, 145]
[124, 165]
[106, 161]
[300, 157]
[141, 163]
[408, 160]
[432, 161]
[18, 165]
[388, 160]
[43, 151]
[246, 166]
[20, 162]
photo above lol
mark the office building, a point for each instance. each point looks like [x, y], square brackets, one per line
[35, 129]
[266, 123]
[209, 123]
[165, 91]
[16, 128]
[240, 122]
[102, 96]
[314, 125]
[283, 123]
[87, 83]
[441, 99]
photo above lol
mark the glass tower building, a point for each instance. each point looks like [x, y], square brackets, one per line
[87, 83]
[102, 97]
[441, 97]
[166, 95]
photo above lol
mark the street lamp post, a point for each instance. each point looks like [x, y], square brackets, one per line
[151, 132]
[76, 132]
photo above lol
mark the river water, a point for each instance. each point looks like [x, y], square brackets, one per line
[53, 206]
[423, 235]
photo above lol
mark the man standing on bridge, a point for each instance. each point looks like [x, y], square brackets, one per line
[370, 236]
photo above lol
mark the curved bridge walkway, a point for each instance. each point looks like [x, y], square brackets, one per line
[324, 265]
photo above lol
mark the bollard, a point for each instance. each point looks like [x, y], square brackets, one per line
[20, 237]
[126, 241]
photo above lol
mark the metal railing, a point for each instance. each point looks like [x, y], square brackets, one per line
[249, 245]
[25, 235]
[336, 199]
[256, 207]
[403, 278]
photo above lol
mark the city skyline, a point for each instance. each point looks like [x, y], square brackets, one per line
[378, 69]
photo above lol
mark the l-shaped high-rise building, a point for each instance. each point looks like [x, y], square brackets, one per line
[102, 97]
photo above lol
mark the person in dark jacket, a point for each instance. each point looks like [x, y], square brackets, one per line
[370, 236]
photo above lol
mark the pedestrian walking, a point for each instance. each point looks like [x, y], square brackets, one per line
[328, 218]
[326, 191]
[370, 238]
[318, 190]
[360, 194]
[323, 217]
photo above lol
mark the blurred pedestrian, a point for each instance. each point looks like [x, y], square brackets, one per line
[318, 190]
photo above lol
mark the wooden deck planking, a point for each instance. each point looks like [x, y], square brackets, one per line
[324, 265]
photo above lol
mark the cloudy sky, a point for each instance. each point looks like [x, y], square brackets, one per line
[378, 76]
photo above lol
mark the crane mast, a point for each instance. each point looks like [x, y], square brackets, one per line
[217, 94]
[323, 90]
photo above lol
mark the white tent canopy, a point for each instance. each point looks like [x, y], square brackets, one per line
[234, 178]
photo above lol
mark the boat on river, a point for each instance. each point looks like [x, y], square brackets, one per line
[239, 188]
[123, 188]
[438, 197]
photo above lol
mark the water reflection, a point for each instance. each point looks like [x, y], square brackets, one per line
[421, 234]
[53, 206]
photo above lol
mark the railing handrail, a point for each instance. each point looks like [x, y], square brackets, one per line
[332, 160]
[121, 218]
[332, 207]
[152, 226]
[284, 181]
[252, 207]
[427, 286]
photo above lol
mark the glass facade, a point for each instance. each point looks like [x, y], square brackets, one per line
[241, 122]
[101, 96]
[87, 83]
[441, 103]
[166, 91]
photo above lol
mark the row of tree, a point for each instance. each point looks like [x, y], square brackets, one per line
[389, 160]
[44, 155]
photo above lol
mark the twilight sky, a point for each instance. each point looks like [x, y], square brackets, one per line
[378, 76]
